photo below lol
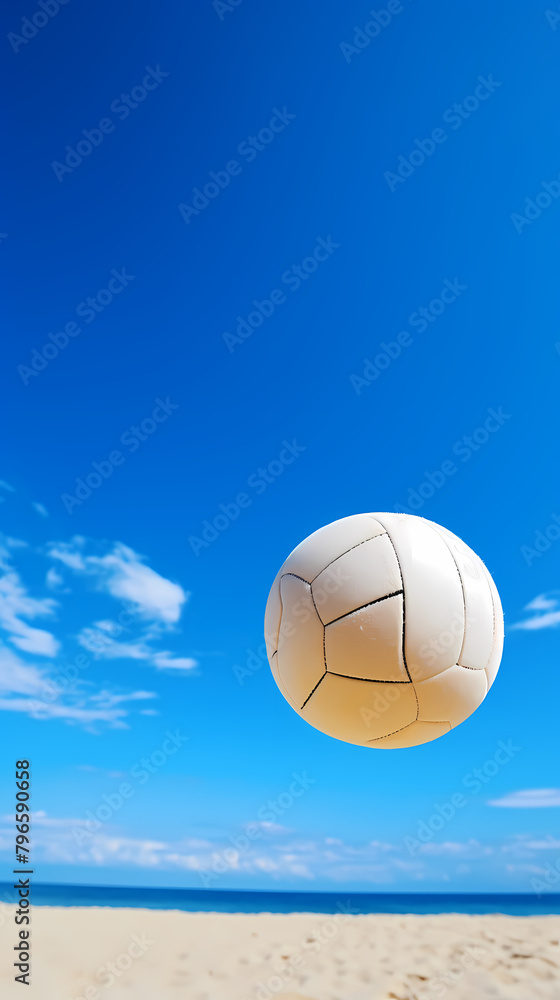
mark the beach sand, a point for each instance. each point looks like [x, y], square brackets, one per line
[98, 952]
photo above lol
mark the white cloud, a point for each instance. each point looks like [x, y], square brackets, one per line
[6, 486]
[546, 603]
[53, 579]
[15, 543]
[71, 713]
[17, 677]
[16, 604]
[271, 828]
[550, 620]
[469, 848]
[101, 849]
[108, 699]
[123, 574]
[541, 603]
[105, 648]
[42, 510]
[40, 818]
[68, 553]
[153, 605]
[33, 691]
[526, 869]
[529, 798]
[127, 578]
[73, 841]
[165, 661]
[112, 628]
[35, 640]
[548, 844]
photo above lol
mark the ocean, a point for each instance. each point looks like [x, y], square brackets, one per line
[235, 901]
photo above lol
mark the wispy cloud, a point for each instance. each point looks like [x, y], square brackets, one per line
[32, 690]
[149, 608]
[542, 602]
[16, 604]
[124, 574]
[40, 508]
[277, 853]
[53, 579]
[110, 649]
[69, 713]
[529, 798]
[68, 553]
[456, 849]
[17, 677]
[547, 608]
[138, 649]
[165, 661]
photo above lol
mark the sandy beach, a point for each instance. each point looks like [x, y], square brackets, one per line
[141, 954]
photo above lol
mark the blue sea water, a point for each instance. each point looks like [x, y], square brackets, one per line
[234, 901]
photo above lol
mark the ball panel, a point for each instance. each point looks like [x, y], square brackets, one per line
[273, 616]
[362, 575]
[368, 642]
[452, 695]
[328, 543]
[412, 736]
[301, 661]
[479, 617]
[434, 608]
[498, 644]
[358, 711]
[273, 661]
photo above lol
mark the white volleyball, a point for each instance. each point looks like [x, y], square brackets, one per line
[384, 630]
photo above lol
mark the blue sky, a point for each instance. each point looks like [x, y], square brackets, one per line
[210, 252]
